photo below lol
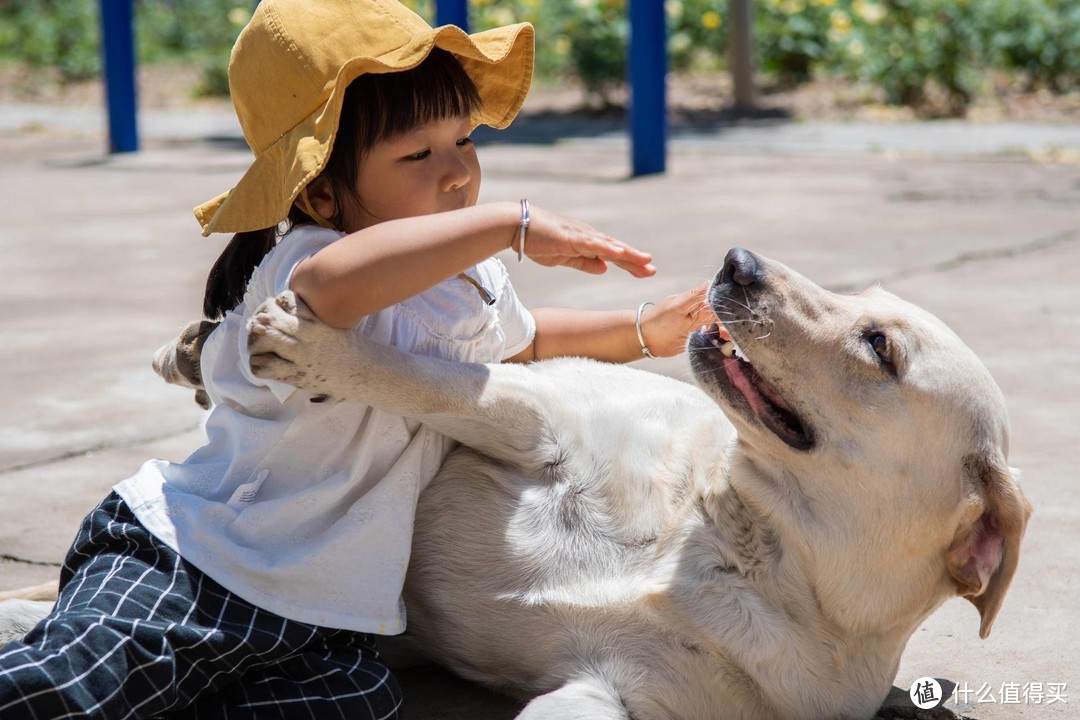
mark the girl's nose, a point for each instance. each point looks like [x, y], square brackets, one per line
[457, 175]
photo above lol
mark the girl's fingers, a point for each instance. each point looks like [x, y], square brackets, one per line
[703, 311]
[632, 260]
[593, 266]
[627, 254]
[639, 271]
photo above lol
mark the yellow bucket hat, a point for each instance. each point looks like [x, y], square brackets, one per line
[288, 73]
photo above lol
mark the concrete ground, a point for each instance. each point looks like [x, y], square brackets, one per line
[102, 262]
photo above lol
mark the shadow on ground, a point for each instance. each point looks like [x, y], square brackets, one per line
[549, 127]
[426, 688]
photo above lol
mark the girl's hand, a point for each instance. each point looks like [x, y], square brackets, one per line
[667, 325]
[556, 240]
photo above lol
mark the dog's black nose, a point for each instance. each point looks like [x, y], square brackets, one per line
[741, 267]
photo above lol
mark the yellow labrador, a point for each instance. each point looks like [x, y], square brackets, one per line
[621, 545]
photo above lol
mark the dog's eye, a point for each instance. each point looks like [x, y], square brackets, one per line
[880, 344]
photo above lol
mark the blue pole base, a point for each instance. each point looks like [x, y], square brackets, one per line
[648, 94]
[118, 47]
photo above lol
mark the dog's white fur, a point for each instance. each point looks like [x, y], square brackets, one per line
[607, 541]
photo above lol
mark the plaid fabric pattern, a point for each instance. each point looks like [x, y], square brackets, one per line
[137, 632]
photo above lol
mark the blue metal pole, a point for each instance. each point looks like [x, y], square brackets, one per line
[648, 96]
[118, 48]
[452, 12]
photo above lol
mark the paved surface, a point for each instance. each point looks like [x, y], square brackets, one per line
[102, 262]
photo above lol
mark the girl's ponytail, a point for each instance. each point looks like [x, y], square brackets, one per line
[228, 279]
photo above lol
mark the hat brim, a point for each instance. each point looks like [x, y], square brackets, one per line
[499, 62]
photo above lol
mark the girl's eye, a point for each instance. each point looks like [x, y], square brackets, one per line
[880, 344]
[420, 155]
[464, 141]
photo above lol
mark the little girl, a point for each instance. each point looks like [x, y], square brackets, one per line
[248, 580]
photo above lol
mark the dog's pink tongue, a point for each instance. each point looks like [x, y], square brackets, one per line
[770, 392]
[740, 378]
[753, 387]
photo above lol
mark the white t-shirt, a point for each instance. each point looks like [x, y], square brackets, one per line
[306, 509]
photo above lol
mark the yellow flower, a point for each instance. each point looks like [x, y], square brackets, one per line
[680, 42]
[711, 20]
[502, 16]
[239, 16]
[562, 45]
[839, 22]
[871, 12]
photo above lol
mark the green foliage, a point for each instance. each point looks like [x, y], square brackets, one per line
[792, 36]
[1040, 38]
[929, 54]
[912, 48]
[64, 34]
[588, 38]
[584, 37]
[697, 34]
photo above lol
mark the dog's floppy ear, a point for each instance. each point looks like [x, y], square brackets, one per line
[179, 361]
[983, 557]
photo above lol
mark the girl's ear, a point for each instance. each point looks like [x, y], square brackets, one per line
[320, 196]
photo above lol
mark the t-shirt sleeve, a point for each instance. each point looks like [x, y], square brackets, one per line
[518, 324]
[271, 278]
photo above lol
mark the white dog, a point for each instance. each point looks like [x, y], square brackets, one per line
[607, 541]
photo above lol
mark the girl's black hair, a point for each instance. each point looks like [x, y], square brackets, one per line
[376, 107]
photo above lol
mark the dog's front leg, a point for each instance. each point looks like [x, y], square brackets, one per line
[497, 409]
[583, 699]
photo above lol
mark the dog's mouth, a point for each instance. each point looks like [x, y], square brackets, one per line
[714, 346]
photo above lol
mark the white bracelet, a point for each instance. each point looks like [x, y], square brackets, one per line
[640, 337]
[523, 229]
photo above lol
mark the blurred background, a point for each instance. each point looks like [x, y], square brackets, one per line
[819, 59]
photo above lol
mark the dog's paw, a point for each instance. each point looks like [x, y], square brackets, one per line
[179, 362]
[286, 341]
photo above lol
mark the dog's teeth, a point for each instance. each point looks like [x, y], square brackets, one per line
[704, 329]
[728, 349]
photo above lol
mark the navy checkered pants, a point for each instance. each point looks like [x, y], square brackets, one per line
[137, 632]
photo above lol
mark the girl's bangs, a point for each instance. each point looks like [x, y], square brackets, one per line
[437, 89]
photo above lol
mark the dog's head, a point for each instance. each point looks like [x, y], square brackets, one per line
[871, 436]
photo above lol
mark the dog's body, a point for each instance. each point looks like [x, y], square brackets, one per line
[608, 541]
[608, 538]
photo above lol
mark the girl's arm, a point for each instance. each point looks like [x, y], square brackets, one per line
[611, 335]
[386, 263]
